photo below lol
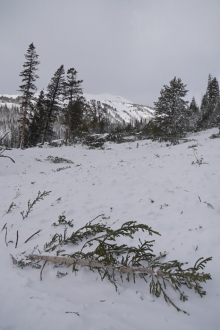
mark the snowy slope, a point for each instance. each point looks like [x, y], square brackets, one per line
[124, 110]
[119, 182]
[120, 109]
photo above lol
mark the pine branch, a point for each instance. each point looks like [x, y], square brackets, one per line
[109, 258]
[39, 197]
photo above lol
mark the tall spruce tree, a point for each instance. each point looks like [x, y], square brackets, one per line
[55, 91]
[170, 110]
[28, 87]
[73, 111]
[210, 104]
[37, 121]
[97, 116]
[193, 115]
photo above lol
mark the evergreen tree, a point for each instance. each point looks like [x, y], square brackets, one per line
[210, 104]
[54, 92]
[193, 106]
[37, 121]
[193, 115]
[97, 116]
[170, 111]
[73, 111]
[28, 87]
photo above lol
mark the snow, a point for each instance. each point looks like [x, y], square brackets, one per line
[8, 104]
[105, 97]
[120, 182]
[122, 110]
[10, 96]
[125, 109]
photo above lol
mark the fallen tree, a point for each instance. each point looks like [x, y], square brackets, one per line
[100, 251]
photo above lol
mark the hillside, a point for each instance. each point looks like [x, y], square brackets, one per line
[152, 183]
[120, 109]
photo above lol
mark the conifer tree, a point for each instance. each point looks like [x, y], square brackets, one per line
[73, 111]
[193, 106]
[210, 104]
[170, 111]
[37, 121]
[28, 87]
[55, 91]
[193, 115]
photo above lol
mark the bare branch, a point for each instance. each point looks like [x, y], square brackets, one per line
[33, 235]
[16, 240]
[95, 264]
[42, 270]
[8, 157]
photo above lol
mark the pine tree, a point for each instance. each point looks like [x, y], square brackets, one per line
[37, 121]
[210, 104]
[193, 115]
[170, 111]
[28, 87]
[54, 92]
[97, 116]
[73, 111]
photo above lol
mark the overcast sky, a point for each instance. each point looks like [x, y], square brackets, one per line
[129, 48]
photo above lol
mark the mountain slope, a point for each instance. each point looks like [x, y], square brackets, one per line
[158, 185]
[119, 109]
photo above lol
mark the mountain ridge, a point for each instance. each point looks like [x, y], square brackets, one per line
[119, 109]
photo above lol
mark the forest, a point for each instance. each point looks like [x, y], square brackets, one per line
[62, 112]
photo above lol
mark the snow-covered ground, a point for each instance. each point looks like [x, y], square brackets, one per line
[120, 182]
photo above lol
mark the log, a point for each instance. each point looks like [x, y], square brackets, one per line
[96, 264]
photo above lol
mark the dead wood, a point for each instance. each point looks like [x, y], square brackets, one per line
[37, 232]
[96, 264]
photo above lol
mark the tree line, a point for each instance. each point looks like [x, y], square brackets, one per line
[174, 116]
[63, 102]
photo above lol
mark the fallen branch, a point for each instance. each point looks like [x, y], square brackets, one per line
[107, 258]
[33, 235]
[95, 264]
[16, 244]
[8, 157]
[42, 270]
[6, 232]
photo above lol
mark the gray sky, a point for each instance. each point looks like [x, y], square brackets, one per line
[129, 48]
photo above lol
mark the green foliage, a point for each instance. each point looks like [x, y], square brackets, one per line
[24, 261]
[198, 161]
[11, 206]
[175, 276]
[28, 88]
[72, 112]
[99, 243]
[58, 160]
[62, 221]
[94, 141]
[55, 91]
[40, 196]
[210, 105]
[38, 118]
[61, 169]
[170, 111]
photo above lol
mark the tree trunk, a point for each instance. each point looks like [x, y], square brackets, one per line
[96, 264]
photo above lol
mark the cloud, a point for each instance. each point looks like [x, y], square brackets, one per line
[128, 48]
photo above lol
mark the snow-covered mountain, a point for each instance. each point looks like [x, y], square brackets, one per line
[119, 109]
